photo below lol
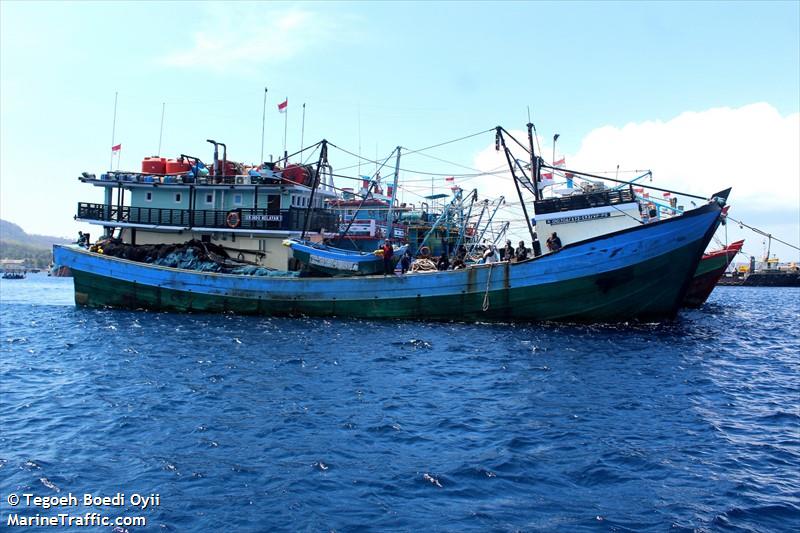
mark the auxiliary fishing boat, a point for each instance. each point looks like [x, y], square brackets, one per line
[329, 261]
[711, 268]
[641, 272]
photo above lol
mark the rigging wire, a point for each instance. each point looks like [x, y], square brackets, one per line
[762, 232]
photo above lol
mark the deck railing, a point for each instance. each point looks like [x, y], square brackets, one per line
[292, 219]
[584, 201]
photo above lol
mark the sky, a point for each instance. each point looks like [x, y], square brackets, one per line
[705, 95]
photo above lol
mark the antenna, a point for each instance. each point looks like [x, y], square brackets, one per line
[161, 131]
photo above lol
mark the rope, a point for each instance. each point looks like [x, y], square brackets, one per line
[762, 232]
[449, 142]
[485, 305]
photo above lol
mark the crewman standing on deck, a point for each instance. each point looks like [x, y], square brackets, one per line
[388, 252]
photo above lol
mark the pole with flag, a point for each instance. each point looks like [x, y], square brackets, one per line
[283, 108]
[303, 127]
[263, 121]
[114, 148]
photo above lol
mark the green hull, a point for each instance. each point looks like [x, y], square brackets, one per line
[636, 292]
[637, 273]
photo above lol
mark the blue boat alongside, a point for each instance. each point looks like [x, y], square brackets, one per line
[330, 261]
[636, 273]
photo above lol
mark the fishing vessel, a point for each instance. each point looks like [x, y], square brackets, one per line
[711, 268]
[635, 273]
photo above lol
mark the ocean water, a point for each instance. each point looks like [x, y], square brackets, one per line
[258, 424]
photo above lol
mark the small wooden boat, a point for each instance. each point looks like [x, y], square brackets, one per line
[711, 268]
[325, 260]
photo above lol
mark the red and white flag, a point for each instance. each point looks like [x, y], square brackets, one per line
[561, 163]
[667, 195]
[116, 149]
[283, 105]
[640, 191]
[451, 178]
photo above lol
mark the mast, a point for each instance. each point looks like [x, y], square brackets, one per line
[113, 131]
[516, 182]
[263, 121]
[161, 131]
[303, 127]
[323, 159]
[534, 175]
[285, 129]
[389, 220]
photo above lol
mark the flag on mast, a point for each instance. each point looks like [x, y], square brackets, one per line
[116, 149]
[283, 105]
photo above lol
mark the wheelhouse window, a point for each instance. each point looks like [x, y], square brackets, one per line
[209, 198]
[148, 196]
[177, 197]
[237, 199]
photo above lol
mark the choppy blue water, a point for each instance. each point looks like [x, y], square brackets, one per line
[255, 424]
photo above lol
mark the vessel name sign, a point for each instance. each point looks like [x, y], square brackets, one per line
[578, 218]
[263, 218]
[332, 263]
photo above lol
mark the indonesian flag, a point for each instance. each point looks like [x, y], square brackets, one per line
[639, 190]
[116, 149]
[561, 163]
[283, 105]
[667, 195]
[451, 178]
[546, 181]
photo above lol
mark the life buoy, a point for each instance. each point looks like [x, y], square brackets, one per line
[233, 219]
[424, 251]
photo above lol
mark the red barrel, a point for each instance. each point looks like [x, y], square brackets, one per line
[299, 174]
[178, 166]
[231, 168]
[154, 165]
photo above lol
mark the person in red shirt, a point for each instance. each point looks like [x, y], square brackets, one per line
[388, 252]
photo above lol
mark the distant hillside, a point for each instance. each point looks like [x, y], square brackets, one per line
[35, 249]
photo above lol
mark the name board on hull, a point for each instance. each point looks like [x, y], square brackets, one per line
[263, 218]
[332, 263]
[577, 218]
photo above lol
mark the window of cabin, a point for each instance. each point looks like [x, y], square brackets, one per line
[237, 199]
[148, 196]
[177, 197]
[209, 198]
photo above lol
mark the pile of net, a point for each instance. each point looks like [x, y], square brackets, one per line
[423, 265]
[191, 255]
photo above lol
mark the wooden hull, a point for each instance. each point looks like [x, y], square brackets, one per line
[638, 273]
[711, 268]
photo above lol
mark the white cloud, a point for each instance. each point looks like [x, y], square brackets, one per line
[268, 38]
[753, 149]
